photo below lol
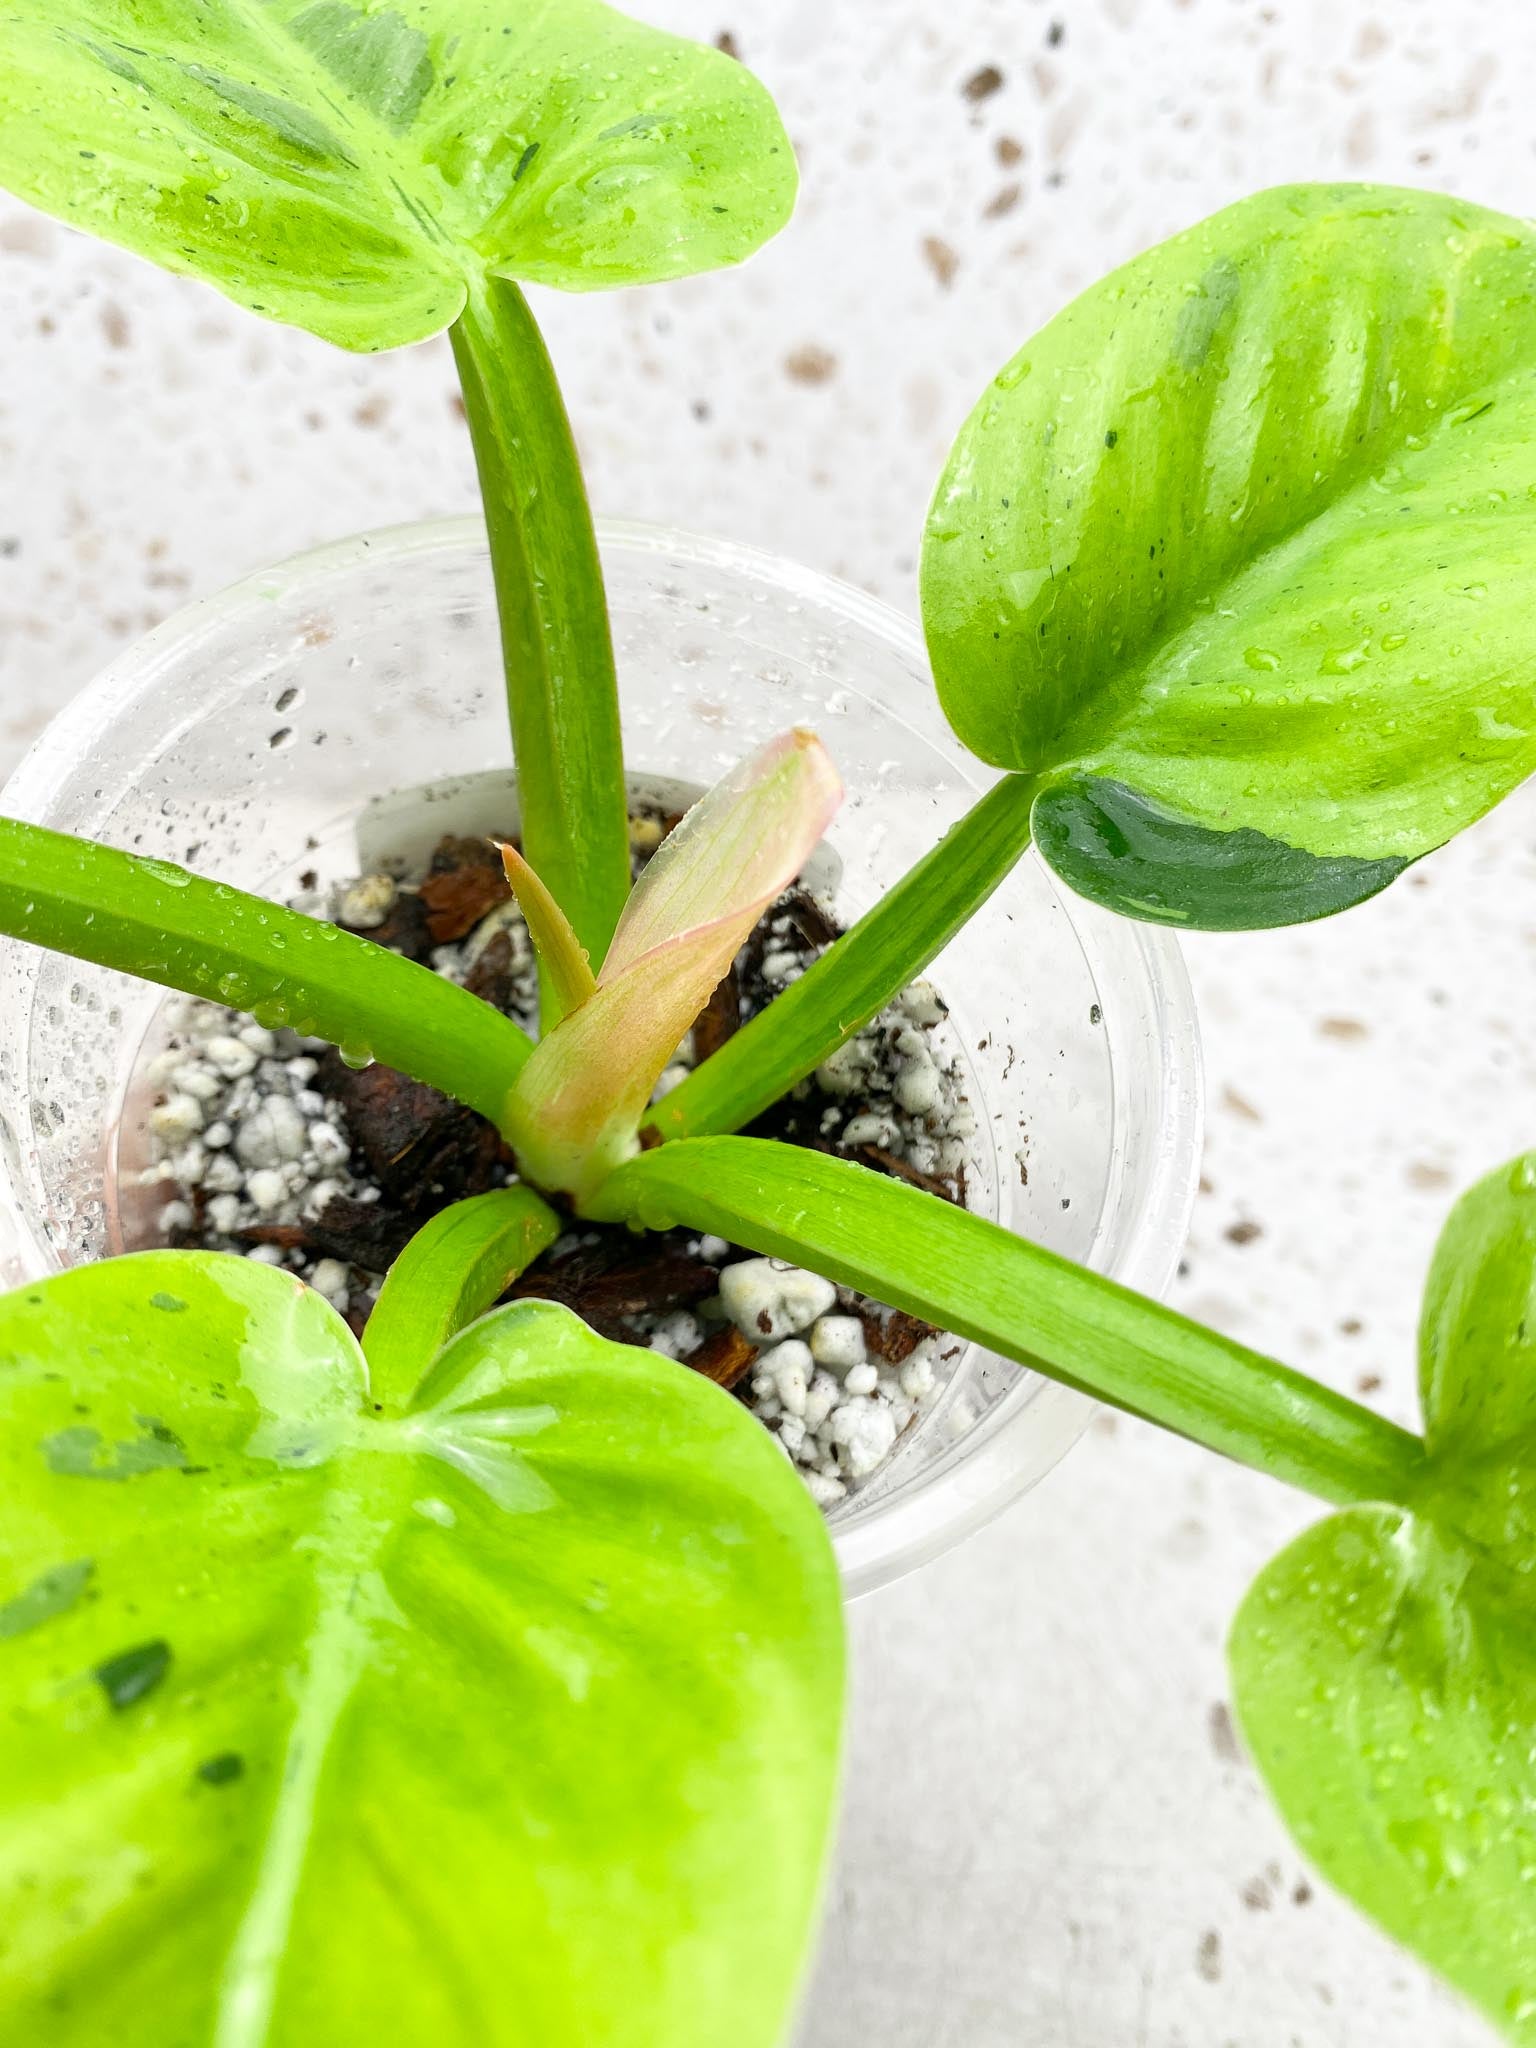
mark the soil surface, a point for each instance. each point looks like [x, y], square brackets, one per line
[280, 1149]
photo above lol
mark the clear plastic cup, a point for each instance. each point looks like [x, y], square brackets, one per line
[349, 703]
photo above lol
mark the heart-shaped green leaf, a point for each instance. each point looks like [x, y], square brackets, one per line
[1234, 556]
[346, 165]
[1385, 1665]
[507, 1720]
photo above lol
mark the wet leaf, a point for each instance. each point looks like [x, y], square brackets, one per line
[348, 165]
[1385, 1664]
[1233, 556]
[509, 1716]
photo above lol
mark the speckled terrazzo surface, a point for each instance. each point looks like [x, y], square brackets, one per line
[1051, 1836]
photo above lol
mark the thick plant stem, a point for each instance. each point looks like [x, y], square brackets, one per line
[561, 686]
[858, 975]
[954, 1269]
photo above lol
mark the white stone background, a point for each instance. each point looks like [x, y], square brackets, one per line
[1050, 1837]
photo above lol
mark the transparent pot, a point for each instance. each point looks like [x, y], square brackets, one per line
[347, 704]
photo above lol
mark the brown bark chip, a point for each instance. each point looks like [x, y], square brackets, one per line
[467, 882]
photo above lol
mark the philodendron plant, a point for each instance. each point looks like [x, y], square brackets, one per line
[480, 1682]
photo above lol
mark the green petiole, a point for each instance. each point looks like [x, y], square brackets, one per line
[954, 1269]
[562, 689]
[858, 975]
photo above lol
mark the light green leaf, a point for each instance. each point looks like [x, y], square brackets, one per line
[563, 959]
[456, 1267]
[1234, 555]
[347, 165]
[157, 920]
[1385, 1665]
[507, 1721]
[1477, 1330]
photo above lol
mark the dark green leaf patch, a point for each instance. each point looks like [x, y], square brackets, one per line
[133, 1674]
[1119, 848]
[81, 1452]
[222, 1769]
[378, 58]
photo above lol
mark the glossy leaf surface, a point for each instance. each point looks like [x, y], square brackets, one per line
[506, 1721]
[1385, 1665]
[1234, 556]
[346, 165]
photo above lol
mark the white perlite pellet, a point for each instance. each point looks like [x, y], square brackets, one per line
[266, 1189]
[274, 1132]
[332, 1279]
[232, 1057]
[838, 1342]
[768, 1300]
[791, 1375]
[328, 1145]
[367, 902]
[176, 1119]
[865, 1432]
[676, 1335]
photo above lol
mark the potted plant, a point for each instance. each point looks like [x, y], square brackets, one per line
[478, 1678]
